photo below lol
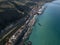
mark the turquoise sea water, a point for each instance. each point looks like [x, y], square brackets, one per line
[46, 31]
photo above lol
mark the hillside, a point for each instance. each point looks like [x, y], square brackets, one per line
[10, 12]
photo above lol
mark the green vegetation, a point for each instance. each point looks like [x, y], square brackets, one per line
[13, 10]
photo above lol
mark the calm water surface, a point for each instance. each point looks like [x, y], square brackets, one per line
[47, 28]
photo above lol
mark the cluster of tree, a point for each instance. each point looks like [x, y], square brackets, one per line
[10, 15]
[35, 0]
[41, 0]
[29, 4]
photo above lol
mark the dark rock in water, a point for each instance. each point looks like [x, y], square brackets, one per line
[29, 43]
[39, 24]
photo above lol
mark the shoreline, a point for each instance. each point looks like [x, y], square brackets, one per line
[31, 23]
[37, 15]
[27, 35]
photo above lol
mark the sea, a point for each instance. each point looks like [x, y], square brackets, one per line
[46, 30]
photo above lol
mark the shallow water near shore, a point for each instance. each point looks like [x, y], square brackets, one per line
[46, 30]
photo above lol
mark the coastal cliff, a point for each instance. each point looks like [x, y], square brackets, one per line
[12, 11]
